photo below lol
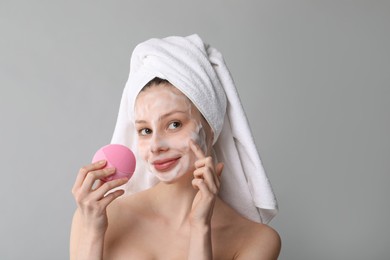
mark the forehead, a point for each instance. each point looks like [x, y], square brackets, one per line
[161, 98]
[163, 90]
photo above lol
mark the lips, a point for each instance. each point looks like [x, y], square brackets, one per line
[165, 164]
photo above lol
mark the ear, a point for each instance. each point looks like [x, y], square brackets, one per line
[219, 169]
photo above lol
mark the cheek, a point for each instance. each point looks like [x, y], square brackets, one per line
[178, 141]
[200, 138]
[143, 147]
[181, 141]
[198, 135]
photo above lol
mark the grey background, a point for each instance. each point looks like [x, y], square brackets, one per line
[313, 76]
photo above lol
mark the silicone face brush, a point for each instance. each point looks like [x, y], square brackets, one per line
[119, 157]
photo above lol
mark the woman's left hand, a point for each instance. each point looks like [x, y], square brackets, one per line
[207, 181]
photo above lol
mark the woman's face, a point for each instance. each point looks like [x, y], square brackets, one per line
[166, 121]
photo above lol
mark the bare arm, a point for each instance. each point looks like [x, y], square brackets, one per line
[90, 219]
[200, 243]
[84, 243]
[206, 180]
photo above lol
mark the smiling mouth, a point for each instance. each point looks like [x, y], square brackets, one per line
[166, 164]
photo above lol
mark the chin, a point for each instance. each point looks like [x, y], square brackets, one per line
[165, 178]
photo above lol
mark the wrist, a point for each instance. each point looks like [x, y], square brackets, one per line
[90, 244]
[200, 223]
[200, 229]
[93, 234]
[93, 228]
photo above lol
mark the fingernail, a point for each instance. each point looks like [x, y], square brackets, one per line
[102, 161]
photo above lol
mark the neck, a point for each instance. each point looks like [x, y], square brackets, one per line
[173, 201]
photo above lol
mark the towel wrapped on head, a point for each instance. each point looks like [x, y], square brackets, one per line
[199, 71]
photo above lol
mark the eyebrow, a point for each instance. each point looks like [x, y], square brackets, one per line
[163, 116]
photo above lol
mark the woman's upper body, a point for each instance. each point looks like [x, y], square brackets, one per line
[182, 212]
[181, 217]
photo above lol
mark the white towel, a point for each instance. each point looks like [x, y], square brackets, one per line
[199, 71]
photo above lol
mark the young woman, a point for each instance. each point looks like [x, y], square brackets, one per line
[180, 215]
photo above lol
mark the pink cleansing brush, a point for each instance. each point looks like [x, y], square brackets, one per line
[118, 156]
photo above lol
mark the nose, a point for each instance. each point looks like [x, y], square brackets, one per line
[158, 144]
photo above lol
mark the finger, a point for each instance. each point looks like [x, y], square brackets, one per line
[97, 184]
[111, 197]
[107, 186]
[200, 185]
[208, 163]
[196, 183]
[84, 171]
[208, 178]
[197, 150]
[210, 170]
[94, 176]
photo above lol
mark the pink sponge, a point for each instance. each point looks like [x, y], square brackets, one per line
[118, 156]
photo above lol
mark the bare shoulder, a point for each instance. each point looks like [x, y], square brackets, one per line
[123, 214]
[261, 242]
[247, 239]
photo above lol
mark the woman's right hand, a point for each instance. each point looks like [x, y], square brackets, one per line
[91, 195]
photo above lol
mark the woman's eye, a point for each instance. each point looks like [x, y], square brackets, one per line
[145, 131]
[174, 125]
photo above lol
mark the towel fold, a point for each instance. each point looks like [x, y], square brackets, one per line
[199, 71]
